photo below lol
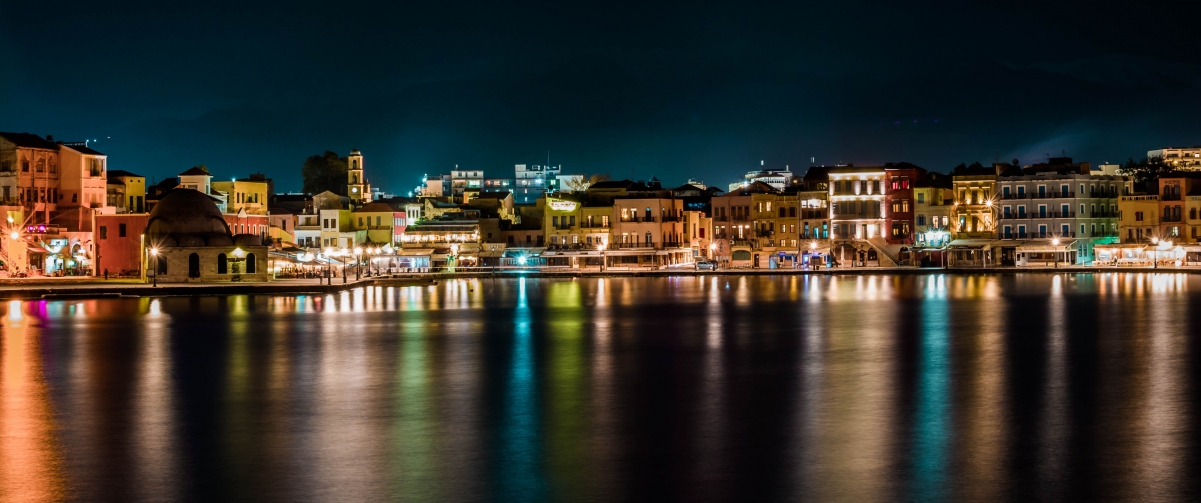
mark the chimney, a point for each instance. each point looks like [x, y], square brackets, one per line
[50, 137]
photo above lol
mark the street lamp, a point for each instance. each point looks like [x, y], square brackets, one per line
[601, 247]
[1055, 251]
[154, 255]
[1155, 252]
[329, 268]
[358, 261]
[454, 256]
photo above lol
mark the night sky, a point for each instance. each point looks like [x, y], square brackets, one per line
[702, 90]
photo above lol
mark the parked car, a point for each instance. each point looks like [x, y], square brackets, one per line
[706, 264]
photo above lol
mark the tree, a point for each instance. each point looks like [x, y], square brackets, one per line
[202, 167]
[1146, 171]
[324, 172]
[582, 184]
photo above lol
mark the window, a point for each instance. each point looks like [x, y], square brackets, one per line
[103, 232]
[222, 264]
[251, 267]
[193, 266]
[921, 196]
[120, 230]
[921, 219]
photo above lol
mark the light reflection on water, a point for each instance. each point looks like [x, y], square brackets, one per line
[863, 388]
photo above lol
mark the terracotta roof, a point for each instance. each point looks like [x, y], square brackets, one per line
[116, 173]
[81, 147]
[194, 172]
[29, 140]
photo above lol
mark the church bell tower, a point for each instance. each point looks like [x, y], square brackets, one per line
[356, 185]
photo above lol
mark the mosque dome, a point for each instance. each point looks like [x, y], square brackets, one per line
[185, 217]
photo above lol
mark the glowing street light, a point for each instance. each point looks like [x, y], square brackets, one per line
[1054, 251]
[154, 255]
[601, 248]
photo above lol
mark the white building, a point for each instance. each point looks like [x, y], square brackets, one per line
[533, 181]
[463, 180]
[1185, 159]
[777, 178]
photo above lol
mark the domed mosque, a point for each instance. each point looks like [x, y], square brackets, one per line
[188, 241]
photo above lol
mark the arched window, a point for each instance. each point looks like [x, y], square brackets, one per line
[161, 262]
[1192, 213]
[251, 267]
[193, 266]
[222, 264]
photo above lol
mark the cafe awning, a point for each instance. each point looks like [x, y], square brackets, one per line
[972, 244]
[415, 252]
[1046, 246]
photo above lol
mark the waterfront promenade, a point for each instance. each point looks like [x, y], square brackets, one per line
[34, 288]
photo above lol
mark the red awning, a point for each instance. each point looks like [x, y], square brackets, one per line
[37, 249]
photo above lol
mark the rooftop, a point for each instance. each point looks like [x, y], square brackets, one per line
[29, 140]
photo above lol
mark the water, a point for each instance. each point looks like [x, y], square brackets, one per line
[874, 388]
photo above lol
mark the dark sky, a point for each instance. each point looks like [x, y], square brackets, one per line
[704, 90]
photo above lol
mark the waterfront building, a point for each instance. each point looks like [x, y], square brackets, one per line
[973, 218]
[858, 215]
[775, 222]
[1138, 218]
[83, 182]
[900, 211]
[29, 176]
[1179, 204]
[1056, 212]
[576, 229]
[932, 222]
[733, 227]
[119, 245]
[647, 232]
[381, 223]
[1180, 158]
[126, 192]
[187, 240]
[436, 243]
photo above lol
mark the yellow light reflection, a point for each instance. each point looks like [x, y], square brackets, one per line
[30, 461]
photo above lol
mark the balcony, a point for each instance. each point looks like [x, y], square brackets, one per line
[670, 218]
[1173, 219]
[1169, 197]
[638, 220]
[1008, 197]
[764, 234]
[1054, 195]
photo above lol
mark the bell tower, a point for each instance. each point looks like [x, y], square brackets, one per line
[356, 185]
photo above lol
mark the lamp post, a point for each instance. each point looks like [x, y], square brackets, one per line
[154, 255]
[329, 268]
[358, 263]
[454, 256]
[601, 247]
[1155, 252]
[1055, 251]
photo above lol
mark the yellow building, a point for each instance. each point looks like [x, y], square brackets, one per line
[775, 221]
[569, 224]
[1139, 218]
[379, 221]
[975, 206]
[126, 191]
[244, 194]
